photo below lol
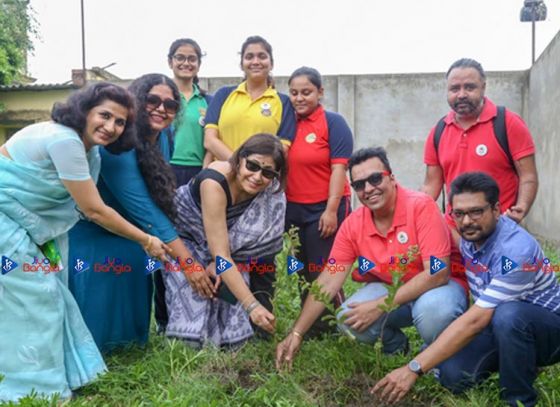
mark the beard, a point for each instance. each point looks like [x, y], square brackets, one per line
[478, 238]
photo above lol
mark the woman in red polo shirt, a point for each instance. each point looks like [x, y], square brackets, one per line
[317, 189]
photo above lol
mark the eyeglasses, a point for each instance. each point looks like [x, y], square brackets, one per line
[256, 167]
[180, 58]
[474, 213]
[154, 101]
[374, 180]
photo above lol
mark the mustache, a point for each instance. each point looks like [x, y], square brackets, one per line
[464, 102]
[469, 229]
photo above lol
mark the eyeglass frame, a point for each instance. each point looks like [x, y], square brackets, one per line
[180, 58]
[381, 174]
[473, 213]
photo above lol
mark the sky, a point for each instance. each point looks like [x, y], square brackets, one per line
[336, 37]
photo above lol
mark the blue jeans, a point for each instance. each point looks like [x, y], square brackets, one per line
[520, 337]
[430, 313]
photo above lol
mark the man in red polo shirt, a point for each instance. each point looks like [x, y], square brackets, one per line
[468, 143]
[392, 223]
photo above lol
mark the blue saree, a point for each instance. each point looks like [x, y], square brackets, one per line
[45, 345]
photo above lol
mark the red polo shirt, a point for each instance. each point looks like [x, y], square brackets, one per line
[322, 139]
[477, 149]
[416, 221]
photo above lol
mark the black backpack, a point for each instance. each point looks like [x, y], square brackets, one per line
[500, 132]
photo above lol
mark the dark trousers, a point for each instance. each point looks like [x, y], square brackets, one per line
[520, 338]
[314, 251]
[183, 175]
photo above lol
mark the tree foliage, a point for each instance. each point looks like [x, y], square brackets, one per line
[17, 28]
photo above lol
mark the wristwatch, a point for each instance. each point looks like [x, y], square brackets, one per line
[415, 367]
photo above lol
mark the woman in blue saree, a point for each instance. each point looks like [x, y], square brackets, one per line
[47, 174]
[140, 185]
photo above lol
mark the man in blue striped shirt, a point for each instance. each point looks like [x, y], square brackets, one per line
[513, 326]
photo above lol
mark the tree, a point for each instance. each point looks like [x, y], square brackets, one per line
[17, 28]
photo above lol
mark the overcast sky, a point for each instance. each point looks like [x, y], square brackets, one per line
[336, 37]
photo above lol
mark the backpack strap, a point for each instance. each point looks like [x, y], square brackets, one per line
[440, 126]
[500, 132]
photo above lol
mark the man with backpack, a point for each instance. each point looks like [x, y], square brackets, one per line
[477, 135]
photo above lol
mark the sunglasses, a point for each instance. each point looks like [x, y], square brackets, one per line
[154, 101]
[256, 167]
[374, 180]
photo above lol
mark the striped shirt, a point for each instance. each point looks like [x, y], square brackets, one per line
[490, 285]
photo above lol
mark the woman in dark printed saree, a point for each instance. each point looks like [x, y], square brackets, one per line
[48, 175]
[232, 211]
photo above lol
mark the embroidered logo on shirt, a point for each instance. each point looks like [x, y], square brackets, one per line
[202, 112]
[436, 265]
[402, 237]
[294, 265]
[8, 265]
[311, 137]
[365, 265]
[481, 150]
[265, 109]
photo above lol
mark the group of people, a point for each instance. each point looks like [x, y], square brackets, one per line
[164, 173]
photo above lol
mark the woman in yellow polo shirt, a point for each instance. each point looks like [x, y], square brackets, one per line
[238, 112]
[254, 106]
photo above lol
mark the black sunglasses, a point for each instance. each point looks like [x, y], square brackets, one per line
[256, 167]
[374, 180]
[154, 101]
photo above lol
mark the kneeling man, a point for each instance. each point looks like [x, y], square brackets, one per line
[513, 326]
[392, 223]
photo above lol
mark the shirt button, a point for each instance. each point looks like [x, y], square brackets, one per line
[149, 226]
[390, 241]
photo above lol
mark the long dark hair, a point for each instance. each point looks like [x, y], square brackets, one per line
[157, 173]
[263, 144]
[198, 51]
[73, 113]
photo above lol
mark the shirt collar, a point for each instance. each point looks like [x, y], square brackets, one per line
[195, 93]
[399, 216]
[242, 88]
[314, 116]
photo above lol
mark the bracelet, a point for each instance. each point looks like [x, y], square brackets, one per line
[148, 243]
[297, 333]
[252, 306]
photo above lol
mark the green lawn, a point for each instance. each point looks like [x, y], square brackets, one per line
[334, 371]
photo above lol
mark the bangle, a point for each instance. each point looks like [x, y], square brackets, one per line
[252, 306]
[297, 333]
[148, 243]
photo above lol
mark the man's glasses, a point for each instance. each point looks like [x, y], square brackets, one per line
[256, 167]
[474, 213]
[154, 101]
[180, 58]
[374, 180]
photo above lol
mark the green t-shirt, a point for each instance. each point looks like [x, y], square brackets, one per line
[189, 130]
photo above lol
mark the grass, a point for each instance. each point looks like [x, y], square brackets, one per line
[333, 371]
